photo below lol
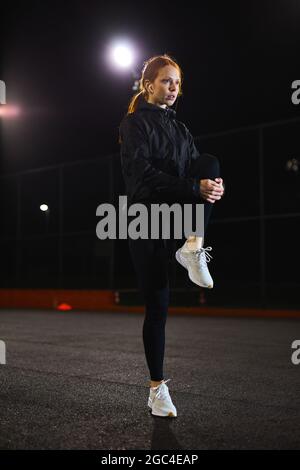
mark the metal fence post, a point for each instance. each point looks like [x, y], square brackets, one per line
[262, 236]
[61, 227]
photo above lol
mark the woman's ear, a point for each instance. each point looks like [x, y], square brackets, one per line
[150, 88]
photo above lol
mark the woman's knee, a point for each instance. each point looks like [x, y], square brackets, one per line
[213, 164]
[207, 166]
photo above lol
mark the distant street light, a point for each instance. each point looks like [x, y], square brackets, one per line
[9, 111]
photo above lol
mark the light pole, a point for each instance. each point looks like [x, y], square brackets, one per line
[45, 208]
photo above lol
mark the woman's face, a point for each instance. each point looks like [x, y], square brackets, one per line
[164, 90]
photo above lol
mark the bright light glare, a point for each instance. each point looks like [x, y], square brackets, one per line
[44, 207]
[9, 111]
[122, 54]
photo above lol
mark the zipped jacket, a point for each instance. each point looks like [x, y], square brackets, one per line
[156, 153]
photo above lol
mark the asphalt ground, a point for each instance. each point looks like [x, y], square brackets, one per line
[79, 380]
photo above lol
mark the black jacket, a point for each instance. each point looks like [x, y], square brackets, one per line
[156, 152]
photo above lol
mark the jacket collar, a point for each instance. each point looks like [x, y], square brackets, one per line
[144, 105]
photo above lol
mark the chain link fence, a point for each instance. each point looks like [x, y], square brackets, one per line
[254, 230]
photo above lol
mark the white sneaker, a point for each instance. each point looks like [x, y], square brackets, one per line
[160, 401]
[195, 262]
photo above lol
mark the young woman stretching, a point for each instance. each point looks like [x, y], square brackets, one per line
[160, 163]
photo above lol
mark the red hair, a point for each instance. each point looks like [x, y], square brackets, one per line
[150, 71]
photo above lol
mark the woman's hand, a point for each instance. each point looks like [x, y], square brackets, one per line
[211, 190]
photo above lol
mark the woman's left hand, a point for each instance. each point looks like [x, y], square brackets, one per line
[221, 184]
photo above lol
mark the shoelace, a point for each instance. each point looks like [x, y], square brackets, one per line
[162, 392]
[206, 258]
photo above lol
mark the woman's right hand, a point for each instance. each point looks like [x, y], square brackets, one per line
[210, 190]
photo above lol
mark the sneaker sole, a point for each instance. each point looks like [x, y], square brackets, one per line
[169, 415]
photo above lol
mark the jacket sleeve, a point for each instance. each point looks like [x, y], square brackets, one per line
[142, 179]
[194, 152]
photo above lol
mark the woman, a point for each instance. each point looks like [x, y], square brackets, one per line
[160, 163]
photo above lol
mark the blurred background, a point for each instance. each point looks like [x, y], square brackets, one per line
[65, 98]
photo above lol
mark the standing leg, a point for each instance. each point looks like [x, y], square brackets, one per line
[151, 266]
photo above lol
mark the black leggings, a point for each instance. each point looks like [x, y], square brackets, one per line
[150, 259]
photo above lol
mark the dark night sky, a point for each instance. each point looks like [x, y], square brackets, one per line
[239, 60]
